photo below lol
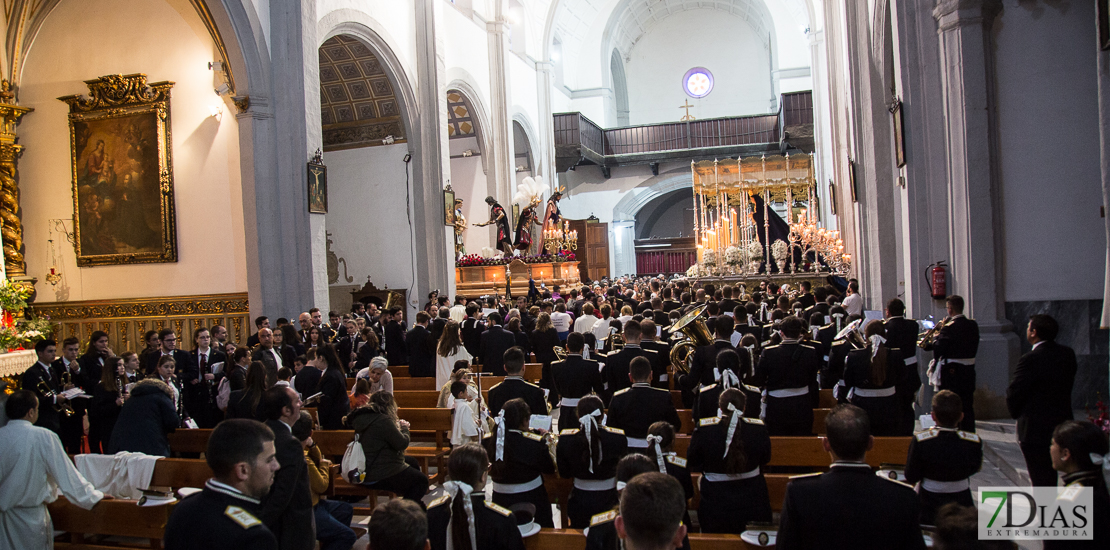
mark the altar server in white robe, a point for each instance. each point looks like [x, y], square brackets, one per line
[34, 469]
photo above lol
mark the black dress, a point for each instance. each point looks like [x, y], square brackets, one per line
[728, 506]
[525, 461]
[334, 404]
[571, 455]
[103, 413]
[494, 526]
[543, 344]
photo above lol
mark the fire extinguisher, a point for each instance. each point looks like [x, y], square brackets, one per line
[937, 279]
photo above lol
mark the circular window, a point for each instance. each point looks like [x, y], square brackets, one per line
[698, 82]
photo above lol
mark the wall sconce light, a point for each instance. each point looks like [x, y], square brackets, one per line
[222, 89]
[216, 66]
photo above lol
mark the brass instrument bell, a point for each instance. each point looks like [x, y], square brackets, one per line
[64, 408]
[696, 334]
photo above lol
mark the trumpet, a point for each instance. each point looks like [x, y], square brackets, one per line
[925, 339]
[64, 408]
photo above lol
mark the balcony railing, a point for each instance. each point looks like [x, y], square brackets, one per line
[574, 129]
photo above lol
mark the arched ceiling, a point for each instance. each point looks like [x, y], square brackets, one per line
[357, 103]
[460, 119]
[632, 19]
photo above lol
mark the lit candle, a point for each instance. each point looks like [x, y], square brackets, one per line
[712, 235]
[701, 251]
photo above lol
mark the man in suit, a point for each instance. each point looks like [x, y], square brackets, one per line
[395, 349]
[326, 332]
[514, 386]
[495, 341]
[615, 372]
[823, 510]
[270, 357]
[443, 314]
[727, 304]
[901, 333]
[287, 508]
[219, 338]
[68, 372]
[40, 372]
[1039, 396]
[574, 378]
[954, 349]
[200, 382]
[260, 323]
[637, 407]
[421, 348]
[169, 347]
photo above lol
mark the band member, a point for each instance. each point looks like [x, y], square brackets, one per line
[954, 349]
[520, 459]
[574, 378]
[788, 373]
[943, 458]
[201, 381]
[504, 240]
[873, 374]
[589, 454]
[901, 333]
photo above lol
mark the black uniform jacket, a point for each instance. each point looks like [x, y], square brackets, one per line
[707, 447]
[494, 526]
[636, 408]
[512, 388]
[1039, 396]
[943, 454]
[615, 372]
[217, 519]
[849, 507]
[576, 377]
[526, 456]
[287, 508]
[572, 448]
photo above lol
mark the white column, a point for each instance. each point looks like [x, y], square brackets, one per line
[622, 235]
[502, 154]
[970, 134]
[545, 126]
[1104, 141]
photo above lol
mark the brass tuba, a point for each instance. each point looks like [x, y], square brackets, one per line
[696, 335]
[560, 352]
[852, 334]
[615, 340]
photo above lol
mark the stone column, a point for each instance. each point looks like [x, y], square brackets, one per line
[545, 79]
[502, 153]
[970, 131]
[11, 226]
[431, 165]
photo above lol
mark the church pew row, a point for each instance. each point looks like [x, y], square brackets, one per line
[120, 517]
[573, 539]
[532, 371]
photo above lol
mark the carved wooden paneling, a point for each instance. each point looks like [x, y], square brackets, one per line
[126, 321]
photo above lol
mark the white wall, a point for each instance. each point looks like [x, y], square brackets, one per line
[739, 62]
[1049, 145]
[368, 215]
[85, 40]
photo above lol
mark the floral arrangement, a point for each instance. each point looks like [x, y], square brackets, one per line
[732, 256]
[564, 256]
[475, 260]
[694, 271]
[1102, 418]
[755, 251]
[709, 257]
[15, 333]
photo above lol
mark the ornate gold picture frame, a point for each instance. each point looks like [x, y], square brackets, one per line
[122, 165]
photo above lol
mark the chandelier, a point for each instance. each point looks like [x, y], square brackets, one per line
[560, 238]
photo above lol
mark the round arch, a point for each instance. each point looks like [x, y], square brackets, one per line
[530, 134]
[479, 113]
[652, 188]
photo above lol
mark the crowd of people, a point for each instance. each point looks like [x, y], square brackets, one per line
[602, 414]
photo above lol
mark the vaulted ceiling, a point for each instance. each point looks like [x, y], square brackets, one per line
[460, 120]
[358, 107]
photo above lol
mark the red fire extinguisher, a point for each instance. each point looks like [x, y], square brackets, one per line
[937, 279]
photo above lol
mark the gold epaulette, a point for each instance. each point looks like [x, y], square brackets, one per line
[241, 517]
[622, 391]
[603, 517]
[711, 421]
[707, 388]
[532, 436]
[499, 509]
[969, 436]
[800, 476]
[769, 347]
[441, 500]
[569, 431]
[751, 388]
[677, 461]
[487, 435]
[753, 421]
[926, 434]
[613, 430]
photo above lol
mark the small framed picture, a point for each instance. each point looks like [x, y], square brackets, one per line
[899, 133]
[852, 179]
[317, 187]
[448, 206]
[832, 198]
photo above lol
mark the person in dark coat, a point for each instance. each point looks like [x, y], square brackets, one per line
[637, 407]
[471, 330]
[872, 375]
[225, 514]
[106, 403]
[729, 451]
[1075, 447]
[543, 340]
[334, 403]
[615, 374]
[495, 341]
[589, 454]
[705, 357]
[901, 334]
[244, 403]
[40, 377]
[421, 348]
[518, 469]
[494, 526]
[384, 438]
[825, 510]
[520, 336]
[395, 348]
[145, 420]
[514, 386]
[943, 459]
[574, 378]
[954, 349]
[1039, 396]
[788, 372]
[287, 508]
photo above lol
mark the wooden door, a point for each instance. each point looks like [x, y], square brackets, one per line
[597, 249]
[582, 253]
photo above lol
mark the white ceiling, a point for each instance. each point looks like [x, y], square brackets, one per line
[635, 18]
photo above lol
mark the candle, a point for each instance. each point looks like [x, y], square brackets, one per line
[712, 235]
[701, 251]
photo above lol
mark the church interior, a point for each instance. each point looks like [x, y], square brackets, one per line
[183, 165]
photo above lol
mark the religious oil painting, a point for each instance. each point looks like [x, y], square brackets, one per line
[317, 187]
[123, 204]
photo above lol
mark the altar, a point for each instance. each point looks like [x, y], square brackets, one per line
[473, 281]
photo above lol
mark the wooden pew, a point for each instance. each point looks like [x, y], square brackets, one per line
[687, 418]
[423, 398]
[819, 421]
[573, 539]
[826, 399]
[808, 452]
[118, 517]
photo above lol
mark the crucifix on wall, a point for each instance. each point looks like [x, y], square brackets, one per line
[686, 105]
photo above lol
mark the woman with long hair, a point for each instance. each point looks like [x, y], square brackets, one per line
[107, 400]
[589, 454]
[313, 338]
[543, 340]
[450, 350]
[729, 452]
[462, 519]
[291, 344]
[165, 372]
[131, 367]
[732, 369]
[384, 438]
[520, 458]
[334, 403]
[244, 403]
[153, 345]
[519, 336]
[1080, 451]
[872, 374]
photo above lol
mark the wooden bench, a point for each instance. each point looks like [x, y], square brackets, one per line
[826, 400]
[808, 452]
[573, 539]
[119, 517]
[424, 399]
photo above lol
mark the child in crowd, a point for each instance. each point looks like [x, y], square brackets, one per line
[465, 427]
[361, 394]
